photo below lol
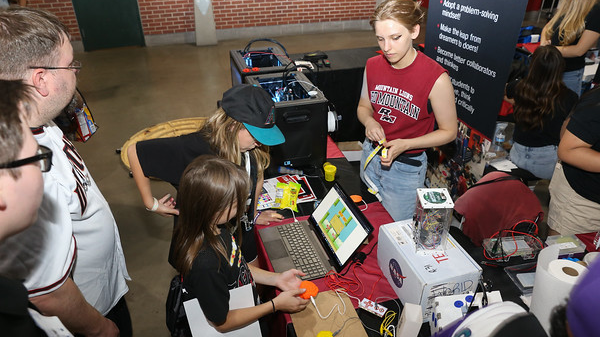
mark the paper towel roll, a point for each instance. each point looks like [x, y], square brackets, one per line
[554, 280]
[591, 256]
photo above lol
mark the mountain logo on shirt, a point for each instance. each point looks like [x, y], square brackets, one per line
[385, 115]
[394, 102]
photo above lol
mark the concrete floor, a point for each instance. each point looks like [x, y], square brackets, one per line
[129, 89]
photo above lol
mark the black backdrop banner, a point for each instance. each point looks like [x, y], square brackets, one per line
[475, 41]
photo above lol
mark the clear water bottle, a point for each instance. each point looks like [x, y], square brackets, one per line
[597, 240]
[500, 138]
[498, 142]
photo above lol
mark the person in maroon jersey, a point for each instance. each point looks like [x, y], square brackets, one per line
[404, 94]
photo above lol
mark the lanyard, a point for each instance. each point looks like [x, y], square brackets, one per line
[370, 185]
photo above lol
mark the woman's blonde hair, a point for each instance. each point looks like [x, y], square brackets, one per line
[571, 14]
[209, 187]
[406, 12]
[221, 131]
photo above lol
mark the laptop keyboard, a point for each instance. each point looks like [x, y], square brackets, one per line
[301, 250]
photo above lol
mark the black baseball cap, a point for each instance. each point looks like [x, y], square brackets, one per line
[253, 106]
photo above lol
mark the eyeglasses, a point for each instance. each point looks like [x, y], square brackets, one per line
[75, 65]
[43, 155]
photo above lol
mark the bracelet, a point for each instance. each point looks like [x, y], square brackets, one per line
[273, 304]
[154, 206]
[256, 216]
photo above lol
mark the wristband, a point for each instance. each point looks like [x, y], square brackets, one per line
[273, 304]
[154, 206]
[256, 216]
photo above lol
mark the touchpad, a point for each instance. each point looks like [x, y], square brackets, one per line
[275, 249]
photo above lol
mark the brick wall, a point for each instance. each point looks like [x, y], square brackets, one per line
[177, 16]
[61, 8]
[166, 16]
[256, 13]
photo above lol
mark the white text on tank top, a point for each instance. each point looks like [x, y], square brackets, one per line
[393, 98]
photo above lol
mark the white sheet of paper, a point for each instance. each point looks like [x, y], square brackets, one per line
[503, 165]
[51, 325]
[241, 297]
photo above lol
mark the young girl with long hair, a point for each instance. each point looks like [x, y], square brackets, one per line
[393, 107]
[542, 102]
[574, 29]
[212, 199]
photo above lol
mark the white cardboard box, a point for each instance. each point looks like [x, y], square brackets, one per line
[419, 277]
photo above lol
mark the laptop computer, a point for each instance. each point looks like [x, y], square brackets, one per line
[326, 241]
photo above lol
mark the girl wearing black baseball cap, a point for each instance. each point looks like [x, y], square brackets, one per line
[239, 131]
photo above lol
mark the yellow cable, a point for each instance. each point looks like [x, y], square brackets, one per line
[371, 155]
[387, 320]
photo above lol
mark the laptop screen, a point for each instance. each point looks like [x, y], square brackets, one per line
[341, 225]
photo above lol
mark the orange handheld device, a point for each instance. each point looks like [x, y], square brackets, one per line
[356, 198]
[311, 290]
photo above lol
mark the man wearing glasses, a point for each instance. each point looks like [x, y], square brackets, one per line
[22, 162]
[71, 259]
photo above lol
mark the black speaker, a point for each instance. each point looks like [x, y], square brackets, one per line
[301, 113]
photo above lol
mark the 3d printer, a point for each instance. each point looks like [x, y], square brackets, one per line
[301, 112]
[255, 61]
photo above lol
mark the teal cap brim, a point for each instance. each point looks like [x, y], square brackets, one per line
[268, 136]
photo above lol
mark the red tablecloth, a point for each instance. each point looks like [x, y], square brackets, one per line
[333, 151]
[378, 216]
[588, 240]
